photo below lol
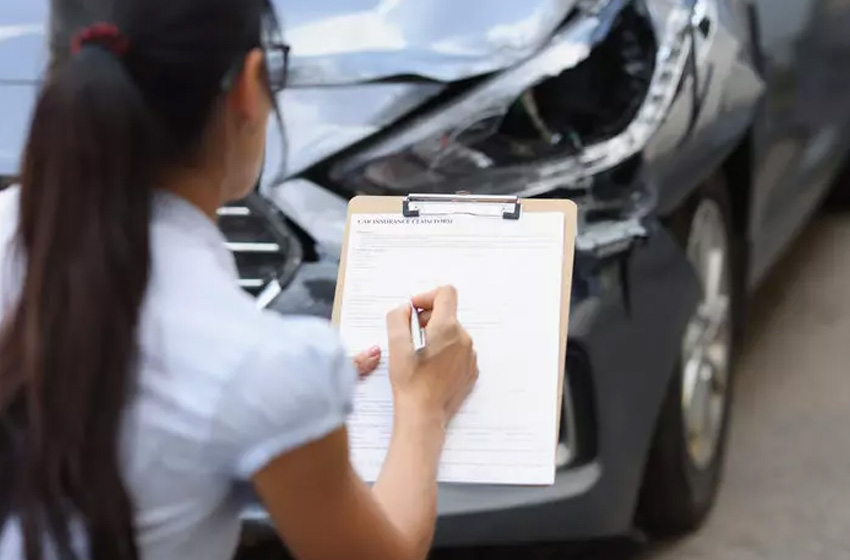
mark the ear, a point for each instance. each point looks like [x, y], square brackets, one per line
[248, 97]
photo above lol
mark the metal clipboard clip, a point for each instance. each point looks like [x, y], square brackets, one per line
[495, 206]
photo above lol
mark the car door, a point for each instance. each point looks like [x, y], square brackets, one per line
[800, 138]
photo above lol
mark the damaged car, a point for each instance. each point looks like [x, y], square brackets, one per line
[696, 136]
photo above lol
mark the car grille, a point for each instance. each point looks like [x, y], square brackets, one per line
[267, 252]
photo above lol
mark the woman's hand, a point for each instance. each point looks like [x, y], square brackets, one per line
[436, 381]
[314, 491]
[367, 362]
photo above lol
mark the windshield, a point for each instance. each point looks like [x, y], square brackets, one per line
[346, 41]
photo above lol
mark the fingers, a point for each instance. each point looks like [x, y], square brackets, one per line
[366, 362]
[424, 301]
[398, 329]
[424, 318]
[440, 303]
[438, 306]
[443, 300]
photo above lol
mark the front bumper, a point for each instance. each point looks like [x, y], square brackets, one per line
[628, 312]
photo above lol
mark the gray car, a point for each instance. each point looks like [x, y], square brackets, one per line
[696, 136]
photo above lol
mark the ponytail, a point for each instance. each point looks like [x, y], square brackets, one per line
[128, 104]
[68, 349]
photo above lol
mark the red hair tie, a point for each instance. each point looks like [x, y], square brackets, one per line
[103, 35]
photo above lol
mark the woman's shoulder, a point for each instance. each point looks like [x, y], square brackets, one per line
[257, 383]
[294, 386]
[215, 335]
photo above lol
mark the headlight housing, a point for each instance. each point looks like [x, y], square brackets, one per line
[587, 102]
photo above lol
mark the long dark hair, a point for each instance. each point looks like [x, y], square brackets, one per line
[104, 129]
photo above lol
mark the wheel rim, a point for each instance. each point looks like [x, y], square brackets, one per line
[706, 345]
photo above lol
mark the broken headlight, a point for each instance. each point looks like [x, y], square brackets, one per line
[587, 102]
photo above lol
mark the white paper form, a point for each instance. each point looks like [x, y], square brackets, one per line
[508, 274]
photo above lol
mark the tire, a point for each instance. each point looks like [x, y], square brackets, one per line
[682, 478]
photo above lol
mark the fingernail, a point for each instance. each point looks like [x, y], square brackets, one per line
[374, 351]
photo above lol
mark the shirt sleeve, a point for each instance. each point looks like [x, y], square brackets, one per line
[295, 387]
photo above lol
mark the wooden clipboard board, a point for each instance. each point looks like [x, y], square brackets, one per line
[397, 205]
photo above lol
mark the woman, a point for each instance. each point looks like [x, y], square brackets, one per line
[138, 385]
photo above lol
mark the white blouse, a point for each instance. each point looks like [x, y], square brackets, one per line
[223, 387]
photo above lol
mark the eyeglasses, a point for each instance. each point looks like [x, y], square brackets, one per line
[276, 61]
[276, 57]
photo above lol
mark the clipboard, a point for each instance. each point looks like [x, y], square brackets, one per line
[485, 207]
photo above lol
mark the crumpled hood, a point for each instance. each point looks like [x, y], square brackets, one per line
[349, 41]
[334, 42]
[319, 122]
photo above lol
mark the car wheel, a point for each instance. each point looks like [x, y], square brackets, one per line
[685, 462]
